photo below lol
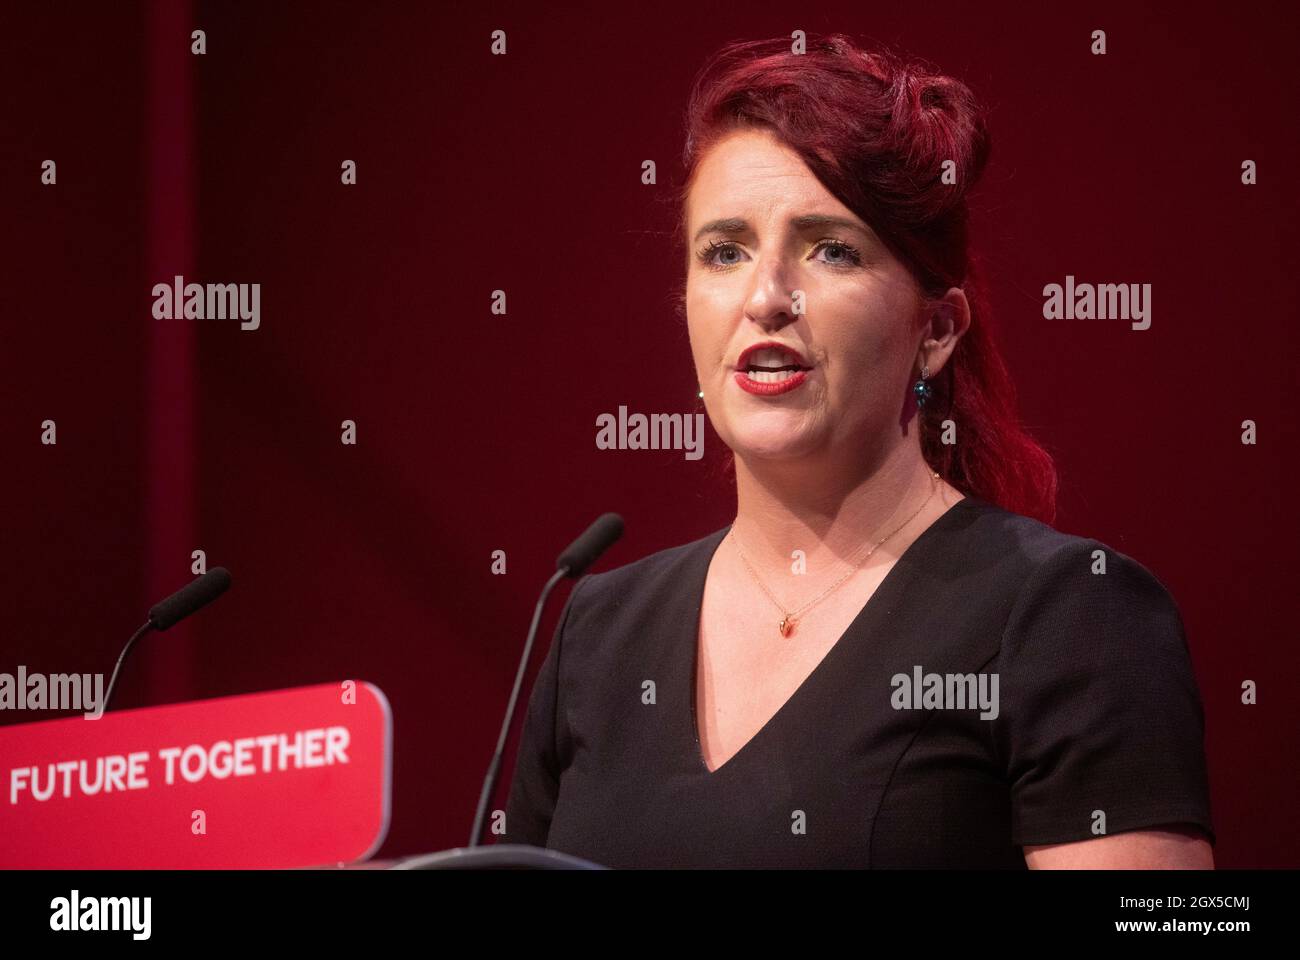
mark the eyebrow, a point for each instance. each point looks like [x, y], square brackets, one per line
[740, 225]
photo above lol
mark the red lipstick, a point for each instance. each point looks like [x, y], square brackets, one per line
[770, 368]
[791, 382]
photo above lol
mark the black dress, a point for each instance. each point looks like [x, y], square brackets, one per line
[1098, 728]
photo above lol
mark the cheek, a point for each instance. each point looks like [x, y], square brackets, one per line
[707, 329]
[865, 368]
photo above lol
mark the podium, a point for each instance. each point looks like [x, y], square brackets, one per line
[286, 779]
[272, 780]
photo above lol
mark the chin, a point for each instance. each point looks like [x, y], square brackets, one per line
[770, 445]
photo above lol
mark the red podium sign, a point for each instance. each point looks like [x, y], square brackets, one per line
[289, 778]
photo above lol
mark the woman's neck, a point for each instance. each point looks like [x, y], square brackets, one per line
[831, 511]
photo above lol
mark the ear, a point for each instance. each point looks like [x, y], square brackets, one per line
[943, 323]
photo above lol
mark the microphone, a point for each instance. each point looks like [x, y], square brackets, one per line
[194, 596]
[580, 555]
[594, 541]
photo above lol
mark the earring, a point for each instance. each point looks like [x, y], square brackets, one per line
[921, 390]
[699, 392]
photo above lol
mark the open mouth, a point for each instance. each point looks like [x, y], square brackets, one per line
[772, 374]
[771, 363]
[767, 369]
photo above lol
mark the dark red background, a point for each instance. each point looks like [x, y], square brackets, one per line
[477, 432]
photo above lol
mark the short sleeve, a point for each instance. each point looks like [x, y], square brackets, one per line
[1100, 710]
[535, 785]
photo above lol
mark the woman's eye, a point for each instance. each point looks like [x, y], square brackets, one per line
[726, 254]
[710, 254]
[840, 253]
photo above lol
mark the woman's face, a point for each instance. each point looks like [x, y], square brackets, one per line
[786, 240]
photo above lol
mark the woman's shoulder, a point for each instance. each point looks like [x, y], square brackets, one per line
[1034, 556]
[1008, 560]
[996, 529]
[1100, 712]
[1073, 606]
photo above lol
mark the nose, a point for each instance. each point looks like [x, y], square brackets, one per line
[770, 302]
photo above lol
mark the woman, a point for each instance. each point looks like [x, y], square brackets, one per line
[885, 660]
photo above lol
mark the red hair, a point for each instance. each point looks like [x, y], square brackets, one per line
[876, 129]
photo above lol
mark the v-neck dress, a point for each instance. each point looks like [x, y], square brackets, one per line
[1091, 722]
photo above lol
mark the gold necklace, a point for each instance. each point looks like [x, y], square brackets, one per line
[788, 620]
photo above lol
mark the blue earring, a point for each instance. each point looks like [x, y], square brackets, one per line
[921, 390]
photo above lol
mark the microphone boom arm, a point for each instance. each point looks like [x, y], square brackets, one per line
[485, 797]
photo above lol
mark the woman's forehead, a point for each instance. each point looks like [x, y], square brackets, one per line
[752, 161]
[752, 176]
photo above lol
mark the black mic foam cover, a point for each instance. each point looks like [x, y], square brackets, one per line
[593, 541]
[198, 593]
